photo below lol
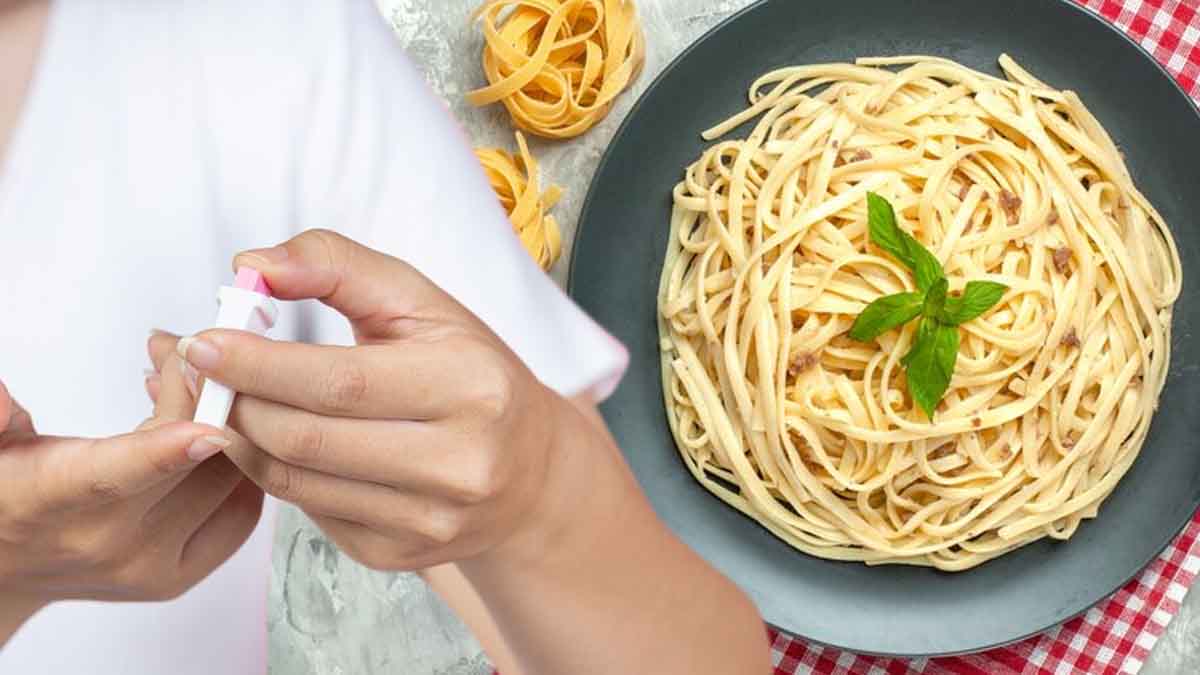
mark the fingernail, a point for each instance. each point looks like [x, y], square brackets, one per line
[191, 379]
[202, 354]
[203, 448]
[149, 372]
[158, 331]
[153, 385]
[275, 254]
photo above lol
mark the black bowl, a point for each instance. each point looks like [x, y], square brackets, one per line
[896, 610]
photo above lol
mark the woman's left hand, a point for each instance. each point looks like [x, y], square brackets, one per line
[427, 442]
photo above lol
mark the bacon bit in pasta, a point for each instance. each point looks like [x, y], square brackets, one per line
[1069, 441]
[943, 450]
[1071, 339]
[839, 161]
[1010, 203]
[835, 143]
[1062, 256]
[976, 422]
[1053, 219]
[802, 362]
[860, 155]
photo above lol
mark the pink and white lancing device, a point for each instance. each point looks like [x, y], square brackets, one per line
[246, 305]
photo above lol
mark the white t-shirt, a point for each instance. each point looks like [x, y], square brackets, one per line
[158, 139]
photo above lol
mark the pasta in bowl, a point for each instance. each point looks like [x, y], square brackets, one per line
[778, 412]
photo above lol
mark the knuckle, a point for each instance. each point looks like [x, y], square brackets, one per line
[495, 393]
[90, 553]
[104, 490]
[319, 237]
[443, 527]
[333, 247]
[97, 485]
[344, 387]
[164, 465]
[282, 481]
[303, 442]
[478, 480]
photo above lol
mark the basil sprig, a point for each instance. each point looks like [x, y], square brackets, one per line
[929, 363]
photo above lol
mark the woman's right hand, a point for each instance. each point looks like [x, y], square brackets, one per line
[141, 516]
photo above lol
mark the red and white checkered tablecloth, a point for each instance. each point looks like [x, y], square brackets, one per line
[1116, 636]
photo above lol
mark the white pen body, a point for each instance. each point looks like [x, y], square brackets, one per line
[240, 309]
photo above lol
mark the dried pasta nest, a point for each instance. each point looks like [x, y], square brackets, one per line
[514, 178]
[558, 65]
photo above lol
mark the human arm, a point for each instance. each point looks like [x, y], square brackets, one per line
[679, 574]
[429, 442]
[137, 517]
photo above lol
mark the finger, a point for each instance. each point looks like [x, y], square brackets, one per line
[14, 420]
[80, 472]
[223, 533]
[162, 350]
[6, 407]
[177, 395]
[195, 498]
[160, 346]
[414, 379]
[153, 386]
[401, 454]
[383, 297]
[357, 501]
[380, 551]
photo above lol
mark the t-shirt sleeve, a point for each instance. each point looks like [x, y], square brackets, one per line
[383, 161]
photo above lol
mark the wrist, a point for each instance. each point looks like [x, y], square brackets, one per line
[15, 610]
[588, 498]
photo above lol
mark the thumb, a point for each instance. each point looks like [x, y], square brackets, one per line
[382, 296]
[6, 407]
[13, 418]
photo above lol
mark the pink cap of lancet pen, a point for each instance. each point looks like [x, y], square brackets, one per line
[251, 279]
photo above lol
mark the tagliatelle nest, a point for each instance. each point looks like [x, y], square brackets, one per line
[514, 178]
[558, 65]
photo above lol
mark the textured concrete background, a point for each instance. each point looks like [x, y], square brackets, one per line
[331, 617]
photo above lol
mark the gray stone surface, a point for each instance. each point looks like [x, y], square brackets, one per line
[330, 616]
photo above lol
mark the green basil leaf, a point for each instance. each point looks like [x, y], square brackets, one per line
[926, 331]
[935, 298]
[977, 298]
[930, 364]
[885, 314]
[885, 233]
[926, 268]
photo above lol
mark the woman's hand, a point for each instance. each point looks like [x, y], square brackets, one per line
[426, 443]
[430, 442]
[142, 516]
